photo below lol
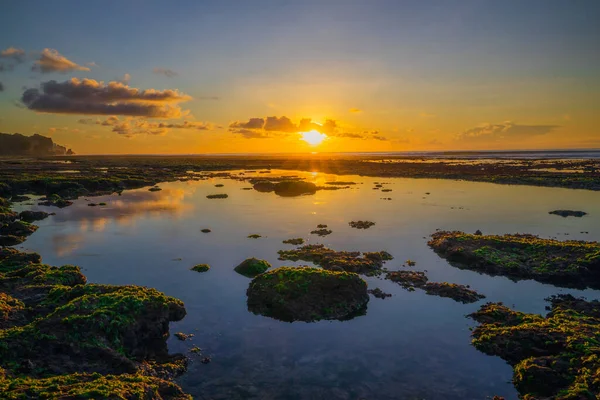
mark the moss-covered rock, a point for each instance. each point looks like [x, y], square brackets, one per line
[307, 294]
[55, 200]
[18, 228]
[252, 267]
[295, 241]
[349, 261]
[408, 279]
[456, 292]
[201, 268]
[361, 224]
[562, 263]
[556, 357]
[31, 216]
[11, 240]
[91, 386]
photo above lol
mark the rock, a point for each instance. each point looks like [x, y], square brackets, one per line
[454, 291]
[408, 279]
[200, 268]
[31, 216]
[361, 224]
[307, 294]
[294, 188]
[553, 357]
[295, 241]
[380, 294]
[205, 230]
[252, 267]
[18, 228]
[568, 213]
[521, 256]
[369, 263]
[321, 232]
[217, 196]
[183, 336]
[264, 186]
[154, 189]
[254, 236]
[55, 200]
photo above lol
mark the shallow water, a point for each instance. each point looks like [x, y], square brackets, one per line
[409, 346]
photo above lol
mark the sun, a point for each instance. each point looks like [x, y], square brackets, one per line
[313, 137]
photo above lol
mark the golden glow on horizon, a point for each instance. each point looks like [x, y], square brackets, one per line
[313, 137]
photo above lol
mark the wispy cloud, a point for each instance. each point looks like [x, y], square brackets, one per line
[124, 79]
[165, 71]
[17, 55]
[504, 131]
[51, 60]
[355, 110]
[91, 97]
[135, 126]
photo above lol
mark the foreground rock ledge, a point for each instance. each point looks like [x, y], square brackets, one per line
[556, 357]
[63, 338]
[307, 294]
[562, 263]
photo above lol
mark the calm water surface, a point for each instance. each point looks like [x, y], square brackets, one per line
[409, 346]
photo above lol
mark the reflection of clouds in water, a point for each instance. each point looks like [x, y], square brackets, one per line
[123, 209]
[64, 244]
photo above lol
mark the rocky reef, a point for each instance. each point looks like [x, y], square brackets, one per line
[553, 357]
[63, 338]
[520, 256]
[369, 263]
[307, 294]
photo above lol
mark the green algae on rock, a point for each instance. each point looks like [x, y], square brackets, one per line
[553, 357]
[307, 294]
[562, 263]
[321, 232]
[201, 268]
[294, 241]
[568, 213]
[349, 261]
[18, 228]
[55, 200]
[408, 279]
[252, 267]
[91, 386]
[254, 236]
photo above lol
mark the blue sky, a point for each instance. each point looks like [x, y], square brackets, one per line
[462, 61]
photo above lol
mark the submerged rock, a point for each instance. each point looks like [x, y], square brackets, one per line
[201, 268]
[252, 267]
[349, 261]
[562, 263]
[380, 294]
[553, 357]
[183, 336]
[568, 213]
[307, 294]
[31, 216]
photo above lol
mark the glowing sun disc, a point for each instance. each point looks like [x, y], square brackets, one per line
[313, 137]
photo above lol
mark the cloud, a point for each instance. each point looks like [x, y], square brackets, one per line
[250, 134]
[52, 61]
[91, 97]
[134, 126]
[355, 110]
[125, 79]
[1, 87]
[504, 131]
[165, 71]
[256, 128]
[17, 55]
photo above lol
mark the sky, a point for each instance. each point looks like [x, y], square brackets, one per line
[192, 76]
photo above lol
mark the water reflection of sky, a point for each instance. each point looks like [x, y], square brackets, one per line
[408, 346]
